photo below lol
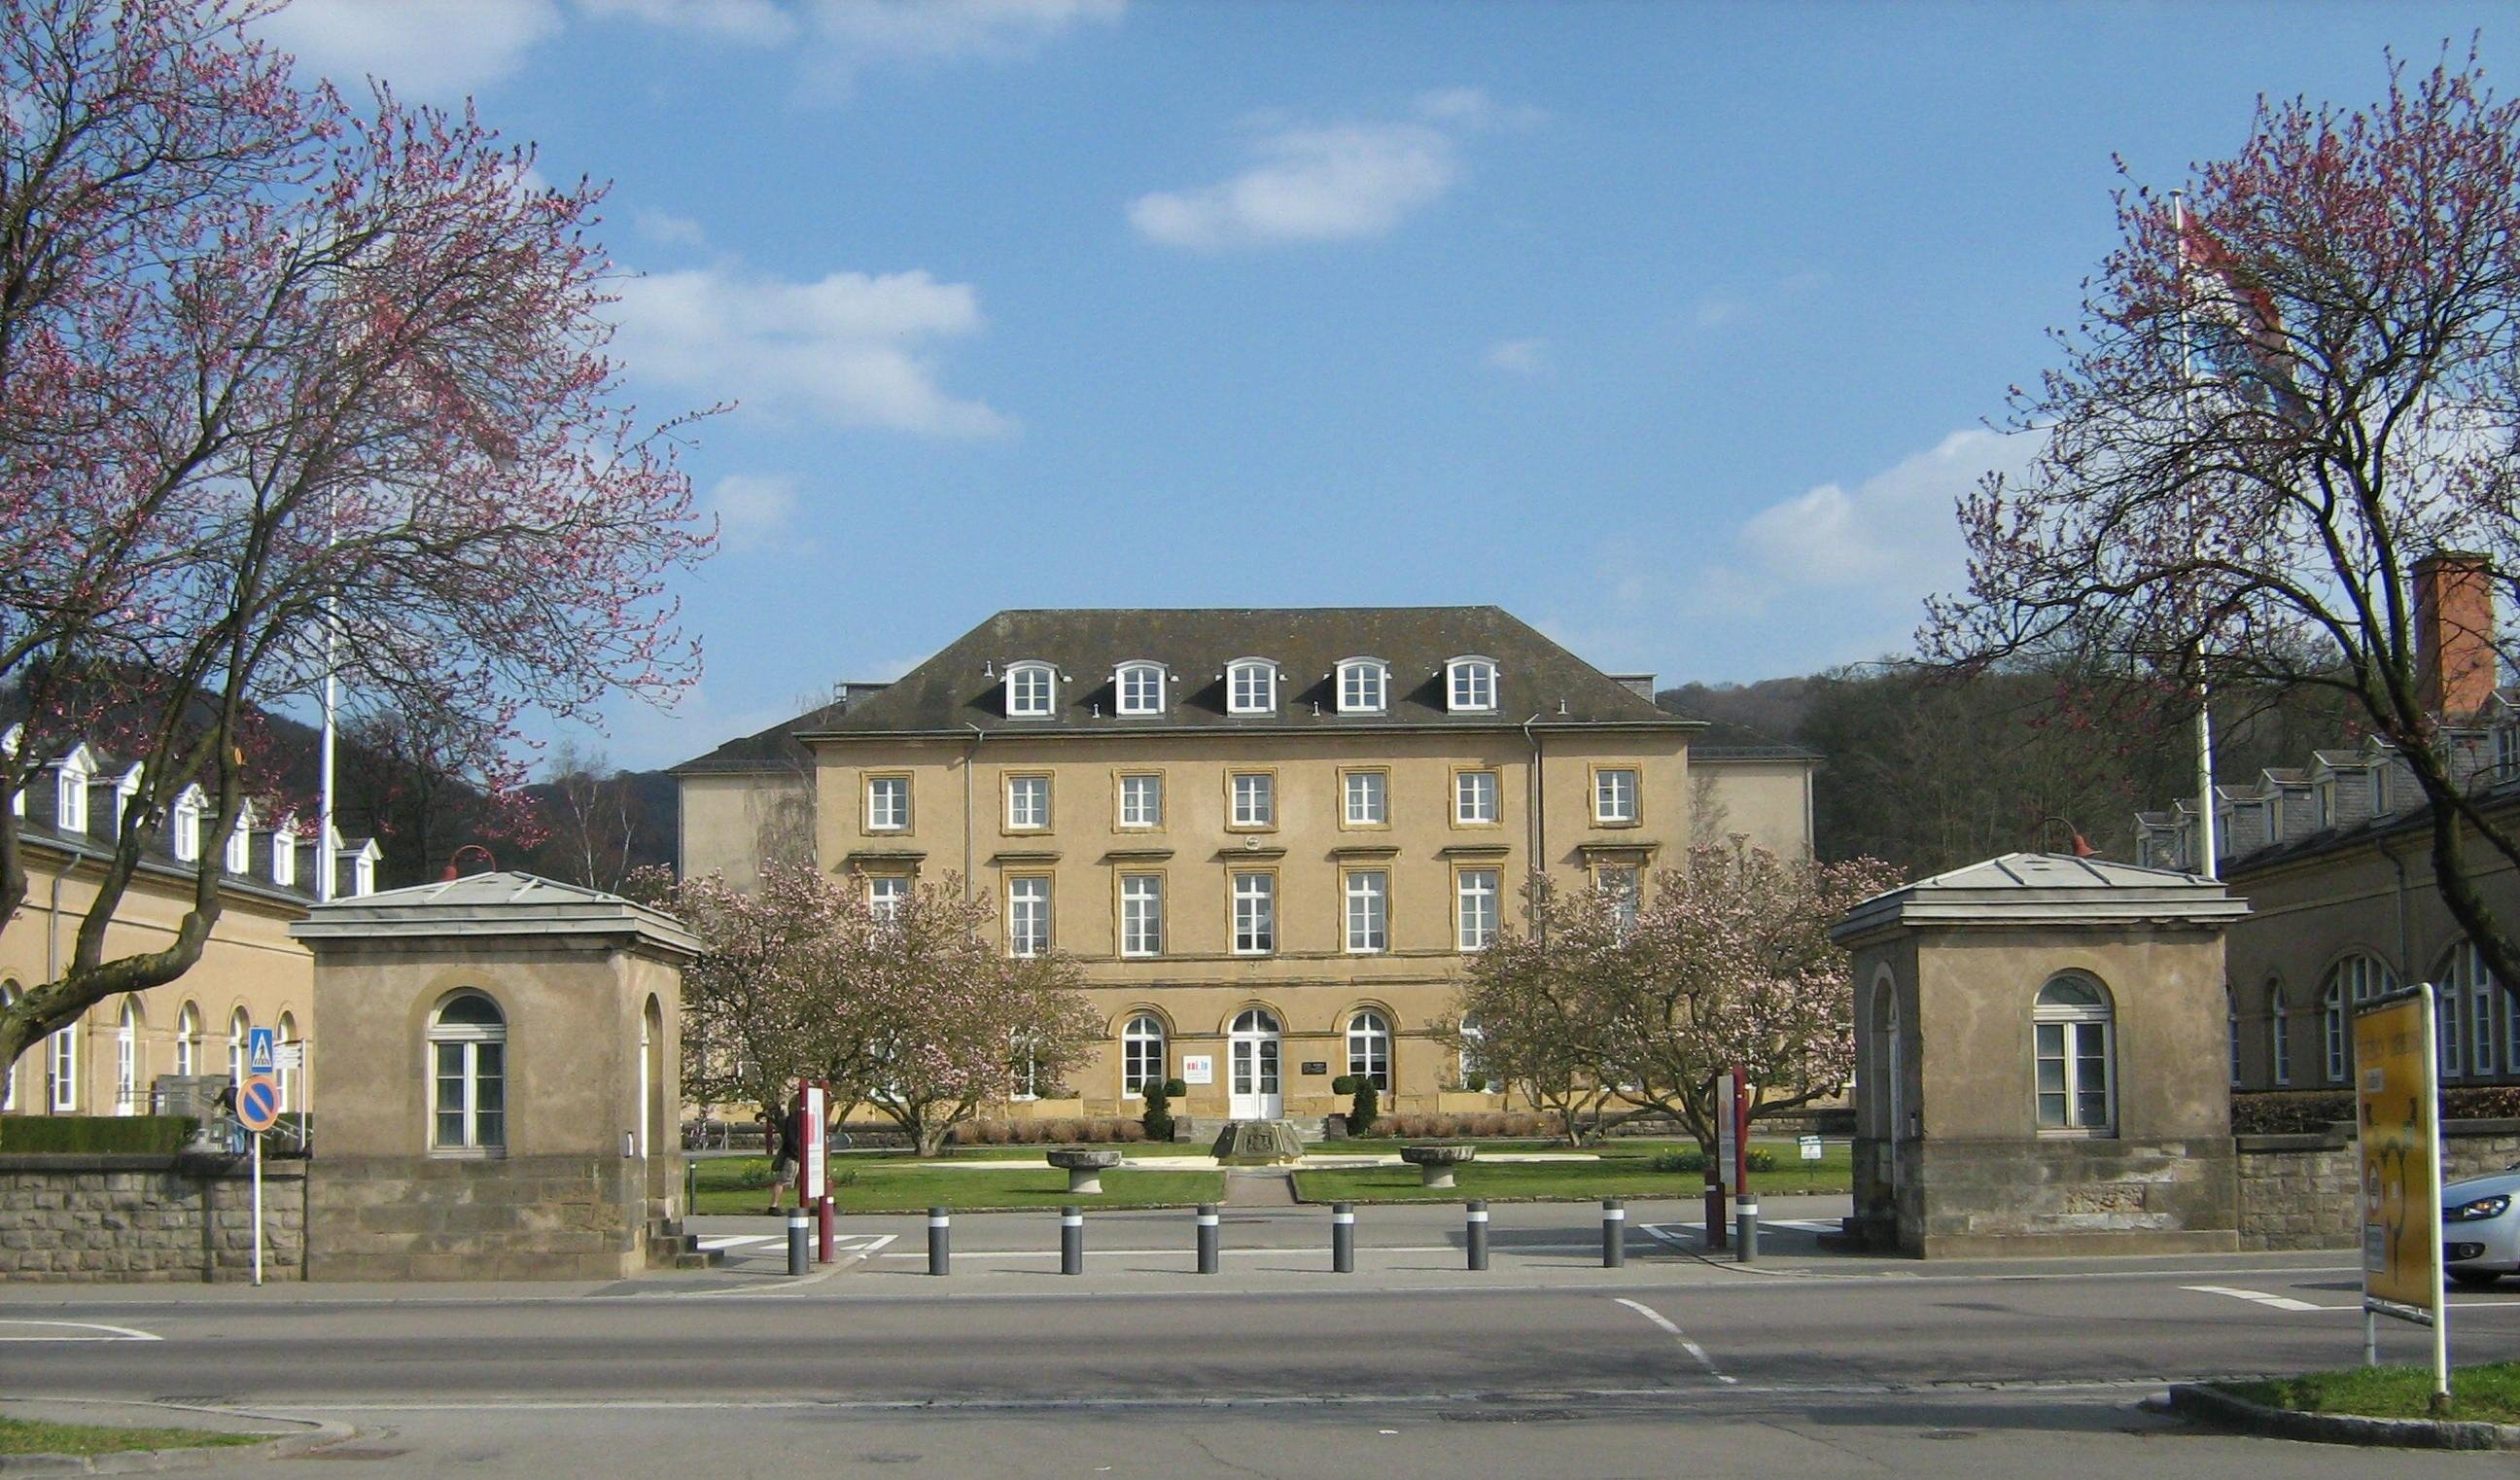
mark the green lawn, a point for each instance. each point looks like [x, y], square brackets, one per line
[2490, 1392]
[861, 1186]
[1625, 1170]
[25, 1436]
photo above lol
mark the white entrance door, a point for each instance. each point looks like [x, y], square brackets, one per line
[1252, 1091]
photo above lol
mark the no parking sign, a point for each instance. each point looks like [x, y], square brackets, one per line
[258, 1104]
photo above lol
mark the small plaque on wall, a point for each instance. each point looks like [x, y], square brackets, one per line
[1315, 1066]
[1198, 1068]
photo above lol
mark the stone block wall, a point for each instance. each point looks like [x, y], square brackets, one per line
[1979, 1198]
[520, 1218]
[2305, 1191]
[138, 1218]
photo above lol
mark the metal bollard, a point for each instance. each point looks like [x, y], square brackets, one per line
[825, 1233]
[1072, 1239]
[1208, 1239]
[1745, 1229]
[1479, 1232]
[801, 1242]
[690, 1187]
[1614, 1233]
[940, 1240]
[1342, 1238]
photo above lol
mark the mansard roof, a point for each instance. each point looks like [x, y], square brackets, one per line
[963, 687]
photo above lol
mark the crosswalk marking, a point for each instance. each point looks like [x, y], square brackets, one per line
[2256, 1297]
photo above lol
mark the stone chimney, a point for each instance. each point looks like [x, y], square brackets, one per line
[2456, 667]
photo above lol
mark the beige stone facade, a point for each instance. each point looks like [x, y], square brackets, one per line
[1390, 839]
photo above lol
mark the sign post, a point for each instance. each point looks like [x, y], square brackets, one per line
[813, 1164]
[2396, 1091]
[257, 1110]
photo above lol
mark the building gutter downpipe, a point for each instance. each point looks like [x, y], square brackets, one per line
[1536, 800]
[978, 737]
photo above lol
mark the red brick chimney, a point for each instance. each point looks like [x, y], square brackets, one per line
[2456, 667]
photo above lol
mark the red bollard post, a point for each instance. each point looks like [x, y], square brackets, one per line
[823, 1230]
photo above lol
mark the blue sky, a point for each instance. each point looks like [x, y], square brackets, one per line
[1673, 328]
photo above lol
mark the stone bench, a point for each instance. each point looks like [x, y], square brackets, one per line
[1435, 1163]
[1084, 1167]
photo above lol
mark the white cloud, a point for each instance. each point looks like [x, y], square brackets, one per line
[751, 508]
[1893, 529]
[760, 23]
[431, 49]
[991, 30]
[848, 350]
[1327, 181]
[1522, 357]
[666, 229]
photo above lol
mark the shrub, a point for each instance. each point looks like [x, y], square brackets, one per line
[1175, 1088]
[1689, 1161]
[1475, 1083]
[1345, 1084]
[1366, 1108]
[96, 1134]
[1761, 1159]
[1128, 1131]
[1157, 1123]
[1064, 1131]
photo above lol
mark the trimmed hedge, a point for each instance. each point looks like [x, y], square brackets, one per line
[94, 1134]
[2309, 1113]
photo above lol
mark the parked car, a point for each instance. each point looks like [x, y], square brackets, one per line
[2481, 1227]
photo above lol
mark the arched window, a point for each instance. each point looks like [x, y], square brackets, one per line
[287, 1072]
[186, 825]
[240, 843]
[2076, 1052]
[1473, 1066]
[467, 1053]
[2356, 977]
[1368, 1048]
[2280, 1032]
[1032, 690]
[1886, 1056]
[2231, 1015]
[1470, 685]
[1251, 686]
[1140, 687]
[239, 1035]
[1364, 686]
[188, 1039]
[126, 1059]
[1141, 1053]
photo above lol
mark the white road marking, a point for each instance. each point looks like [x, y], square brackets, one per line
[111, 1333]
[1676, 1334]
[2260, 1297]
[738, 1240]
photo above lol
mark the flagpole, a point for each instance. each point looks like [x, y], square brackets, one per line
[2207, 864]
[325, 867]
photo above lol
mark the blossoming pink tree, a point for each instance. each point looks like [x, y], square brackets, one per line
[910, 1007]
[1727, 961]
[2284, 392]
[287, 384]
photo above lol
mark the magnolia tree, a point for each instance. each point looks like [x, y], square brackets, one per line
[289, 386]
[2287, 387]
[908, 1006]
[1726, 962]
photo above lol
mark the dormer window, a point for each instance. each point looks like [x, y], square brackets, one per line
[186, 825]
[283, 852]
[1140, 687]
[1251, 686]
[10, 740]
[124, 789]
[1364, 686]
[70, 791]
[240, 859]
[1032, 690]
[1470, 685]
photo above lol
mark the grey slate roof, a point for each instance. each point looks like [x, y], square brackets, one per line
[507, 903]
[961, 685]
[2042, 888]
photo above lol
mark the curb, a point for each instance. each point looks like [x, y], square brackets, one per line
[315, 1433]
[2199, 1402]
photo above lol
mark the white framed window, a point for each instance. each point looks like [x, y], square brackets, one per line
[1470, 685]
[1028, 914]
[1140, 687]
[2451, 1056]
[1142, 915]
[1255, 913]
[887, 803]
[1141, 1053]
[1027, 803]
[2231, 1025]
[886, 895]
[1614, 795]
[2280, 1032]
[1142, 801]
[1476, 916]
[188, 1039]
[1623, 885]
[1474, 799]
[1255, 799]
[468, 1062]
[1368, 911]
[239, 1038]
[185, 826]
[1367, 798]
[2467, 979]
[240, 843]
[1023, 1052]
[283, 852]
[2073, 1029]
[1368, 1048]
[65, 1058]
[2356, 977]
[69, 790]
[1364, 686]
[1472, 1065]
[126, 1060]
[287, 1075]
[1251, 686]
[1032, 690]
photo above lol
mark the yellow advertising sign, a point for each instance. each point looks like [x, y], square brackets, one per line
[2396, 1103]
